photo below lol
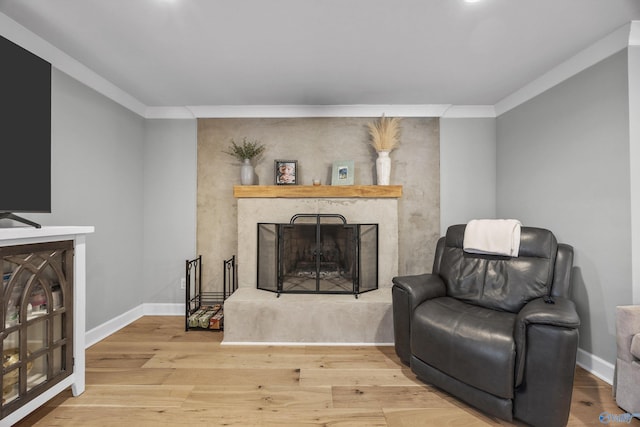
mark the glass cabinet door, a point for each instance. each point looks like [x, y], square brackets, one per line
[36, 334]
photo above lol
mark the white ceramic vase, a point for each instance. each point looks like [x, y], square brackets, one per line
[383, 168]
[246, 173]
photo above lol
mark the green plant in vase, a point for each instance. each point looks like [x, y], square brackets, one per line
[246, 152]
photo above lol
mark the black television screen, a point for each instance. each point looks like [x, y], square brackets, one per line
[25, 130]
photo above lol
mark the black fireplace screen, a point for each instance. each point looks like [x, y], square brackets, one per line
[318, 253]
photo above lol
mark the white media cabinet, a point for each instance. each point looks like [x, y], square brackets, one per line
[42, 333]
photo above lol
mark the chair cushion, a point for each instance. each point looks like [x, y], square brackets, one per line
[499, 282]
[635, 346]
[471, 343]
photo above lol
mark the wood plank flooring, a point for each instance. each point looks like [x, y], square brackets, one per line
[152, 373]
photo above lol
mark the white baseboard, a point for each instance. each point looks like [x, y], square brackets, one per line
[596, 366]
[100, 332]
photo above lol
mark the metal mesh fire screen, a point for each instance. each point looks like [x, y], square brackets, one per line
[318, 253]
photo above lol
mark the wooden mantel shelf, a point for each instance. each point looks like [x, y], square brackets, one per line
[318, 191]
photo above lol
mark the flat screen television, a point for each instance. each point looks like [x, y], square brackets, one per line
[25, 132]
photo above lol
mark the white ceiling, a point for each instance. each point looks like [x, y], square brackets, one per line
[320, 52]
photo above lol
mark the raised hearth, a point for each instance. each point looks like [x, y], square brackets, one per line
[255, 316]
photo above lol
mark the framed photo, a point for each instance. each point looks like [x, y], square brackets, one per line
[286, 172]
[343, 173]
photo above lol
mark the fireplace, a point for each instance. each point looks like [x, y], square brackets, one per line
[319, 254]
[253, 315]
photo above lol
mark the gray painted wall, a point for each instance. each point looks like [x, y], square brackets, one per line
[97, 153]
[563, 164]
[169, 207]
[467, 170]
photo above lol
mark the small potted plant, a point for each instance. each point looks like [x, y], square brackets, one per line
[246, 152]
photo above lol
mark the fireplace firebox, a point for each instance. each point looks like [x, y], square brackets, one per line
[319, 254]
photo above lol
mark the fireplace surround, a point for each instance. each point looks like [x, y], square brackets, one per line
[253, 315]
[317, 254]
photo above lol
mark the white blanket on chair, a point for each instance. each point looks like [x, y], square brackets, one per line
[493, 237]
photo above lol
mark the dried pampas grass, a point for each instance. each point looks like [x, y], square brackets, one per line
[385, 133]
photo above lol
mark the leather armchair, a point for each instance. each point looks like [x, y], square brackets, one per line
[498, 332]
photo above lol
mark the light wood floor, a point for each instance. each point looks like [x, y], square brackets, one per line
[152, 373]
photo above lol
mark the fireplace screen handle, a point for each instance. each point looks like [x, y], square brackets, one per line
[317, 217]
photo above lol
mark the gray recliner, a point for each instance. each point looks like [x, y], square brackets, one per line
[497, 332]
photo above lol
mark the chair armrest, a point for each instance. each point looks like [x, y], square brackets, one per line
[407, 293]
[420, 288]
[561, 313]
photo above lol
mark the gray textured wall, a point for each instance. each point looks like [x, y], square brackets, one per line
[316, 143]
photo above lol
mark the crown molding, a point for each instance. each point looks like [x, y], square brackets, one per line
[469, 111]
[613, 43]
[168, 113]
[298, 111]
[292, 111]
[21, 36]
[634, 34]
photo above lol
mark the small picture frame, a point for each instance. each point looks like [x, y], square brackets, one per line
[343, 172]
[286, 172]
